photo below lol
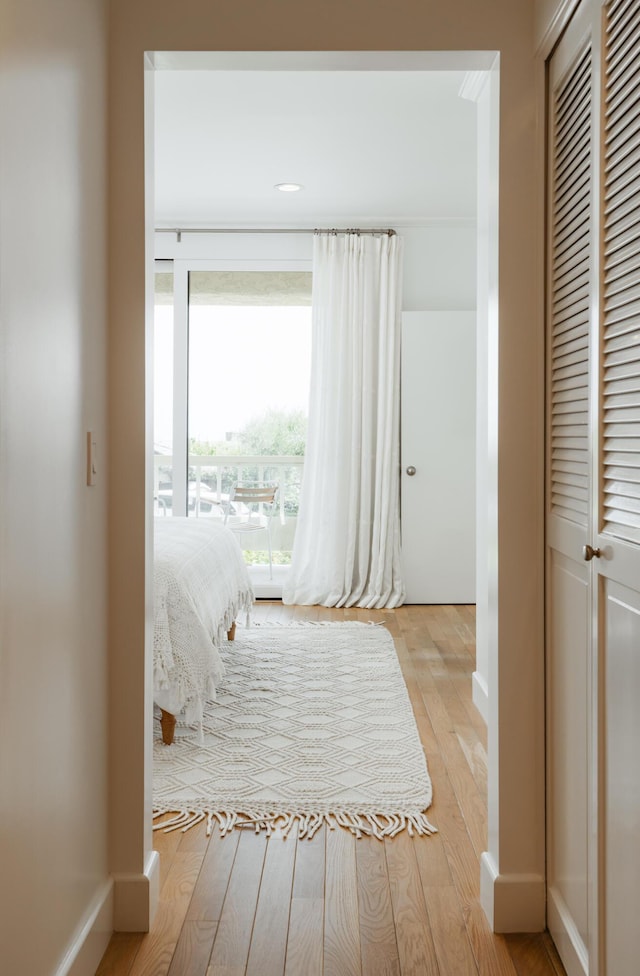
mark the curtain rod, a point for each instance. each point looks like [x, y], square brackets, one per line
[179, 231]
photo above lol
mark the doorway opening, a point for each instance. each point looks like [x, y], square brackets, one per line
[466, 243]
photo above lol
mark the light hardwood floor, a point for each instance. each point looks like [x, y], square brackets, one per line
[336, 906]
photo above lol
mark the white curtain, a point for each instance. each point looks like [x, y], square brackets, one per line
[347, 545]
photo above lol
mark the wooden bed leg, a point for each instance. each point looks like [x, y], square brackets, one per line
[231, 633]
[168, 725]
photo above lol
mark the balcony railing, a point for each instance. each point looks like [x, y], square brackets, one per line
[210, 479]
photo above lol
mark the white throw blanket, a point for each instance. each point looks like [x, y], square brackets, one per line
[201, 584]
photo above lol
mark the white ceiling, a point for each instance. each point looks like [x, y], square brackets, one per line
[371, 148]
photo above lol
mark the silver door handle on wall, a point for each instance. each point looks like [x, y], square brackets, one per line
[411, 470]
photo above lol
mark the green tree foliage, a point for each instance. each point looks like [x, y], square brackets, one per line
[281, 432]
[205, 447]
[275, 432]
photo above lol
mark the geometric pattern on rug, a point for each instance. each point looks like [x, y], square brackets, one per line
[312, 724]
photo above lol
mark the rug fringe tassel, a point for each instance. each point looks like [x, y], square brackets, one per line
[265, 624]
[303, 825]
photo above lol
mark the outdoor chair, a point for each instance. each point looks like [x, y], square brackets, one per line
[250, 508]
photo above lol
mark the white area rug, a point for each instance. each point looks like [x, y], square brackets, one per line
[312, 725]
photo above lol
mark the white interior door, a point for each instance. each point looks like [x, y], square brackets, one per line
[438, 456]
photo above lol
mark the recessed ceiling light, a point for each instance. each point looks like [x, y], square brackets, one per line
[288, 187]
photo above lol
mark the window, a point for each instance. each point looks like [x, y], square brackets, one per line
[163, 386]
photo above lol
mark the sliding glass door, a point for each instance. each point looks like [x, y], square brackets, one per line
[237, 411]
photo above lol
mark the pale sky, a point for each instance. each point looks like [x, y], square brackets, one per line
[242, 361]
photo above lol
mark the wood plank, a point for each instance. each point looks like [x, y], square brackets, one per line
[413, 931]
[528, 959]
[303, 614]
[158, 946]
[233, 938]
[453, 949]
[420, 712]
[388, 618]
[473, 744]
[305, 946]
[269, 938]
[447, 816]
[491, 951]
[120, 954]
[213, 881]
[458, 772]
[309, 872]
[475, 753]
[305, 940]
[167, 846]
[341, 923]
[269, 610]
[378, 947]
[556, 963]
[432, 861]
[463, 625]
[459, 669]
[192, 952]
[194, 839]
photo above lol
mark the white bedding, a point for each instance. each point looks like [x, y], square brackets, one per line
[201, 584]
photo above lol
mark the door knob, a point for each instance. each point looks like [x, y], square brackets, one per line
[411, 470]
[588, 552]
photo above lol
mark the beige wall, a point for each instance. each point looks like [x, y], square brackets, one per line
[515, 865]
[550, 17]
[53, 658]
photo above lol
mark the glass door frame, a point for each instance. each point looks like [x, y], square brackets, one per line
[181, 270]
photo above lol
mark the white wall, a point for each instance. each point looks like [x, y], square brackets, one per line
[439, 268]
[53, 661]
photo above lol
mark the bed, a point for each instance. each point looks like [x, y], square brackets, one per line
[201, 585]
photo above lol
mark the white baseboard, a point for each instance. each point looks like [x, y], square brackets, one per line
[267, 590]
[565, 935]
[480, 695]
[136, 897]
[264, 587]
[511, 902]
[91, 937]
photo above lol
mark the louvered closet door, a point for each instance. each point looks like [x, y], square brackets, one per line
[593, 490]
[571, 318]
[617, 571]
